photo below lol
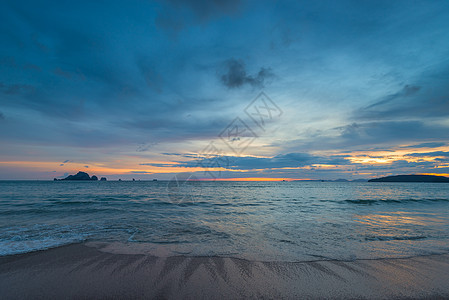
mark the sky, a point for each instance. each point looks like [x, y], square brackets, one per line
[224, 89]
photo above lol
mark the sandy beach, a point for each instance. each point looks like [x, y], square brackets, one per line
[80, 272]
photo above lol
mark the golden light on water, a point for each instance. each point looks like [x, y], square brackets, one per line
[398, 218]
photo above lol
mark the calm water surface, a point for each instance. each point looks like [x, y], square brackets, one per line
[289, 221]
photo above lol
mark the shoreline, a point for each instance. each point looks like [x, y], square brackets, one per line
[104, 247]
[155, 250]
[81, 271]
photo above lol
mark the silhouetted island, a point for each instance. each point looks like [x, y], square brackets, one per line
[411, 178]
[79, 176]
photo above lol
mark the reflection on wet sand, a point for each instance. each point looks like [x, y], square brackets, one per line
[78, 271]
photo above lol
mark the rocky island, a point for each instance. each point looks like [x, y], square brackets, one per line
[80, 176]
[411, 178]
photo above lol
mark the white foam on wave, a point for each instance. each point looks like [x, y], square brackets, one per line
[16, 247]
[16, 240]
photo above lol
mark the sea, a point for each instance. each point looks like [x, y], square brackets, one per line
[266, 221]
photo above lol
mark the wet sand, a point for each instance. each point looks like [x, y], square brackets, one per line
[85, 272]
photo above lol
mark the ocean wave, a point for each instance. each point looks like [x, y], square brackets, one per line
[386, 201]
[72, 202]
[395, 238]
[38, 237]
[18, 247]
[18, 239]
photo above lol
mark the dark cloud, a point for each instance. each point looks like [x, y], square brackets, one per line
[145, 147]
[407, 91]
[391, 131]
[361, 136]
[69, 74]
[428, 99]
[427, 145]
[32, 67]
[399, 166]
[17, 89]
[152, 78]
[2, 116]
[290, 160]
[175, 15]
[156, 165]
[8, 61]
[235, 75]
[206, 9]
[429, 154]
[350, 131]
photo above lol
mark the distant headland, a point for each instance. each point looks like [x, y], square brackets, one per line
[411, 178]
[81, 176]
